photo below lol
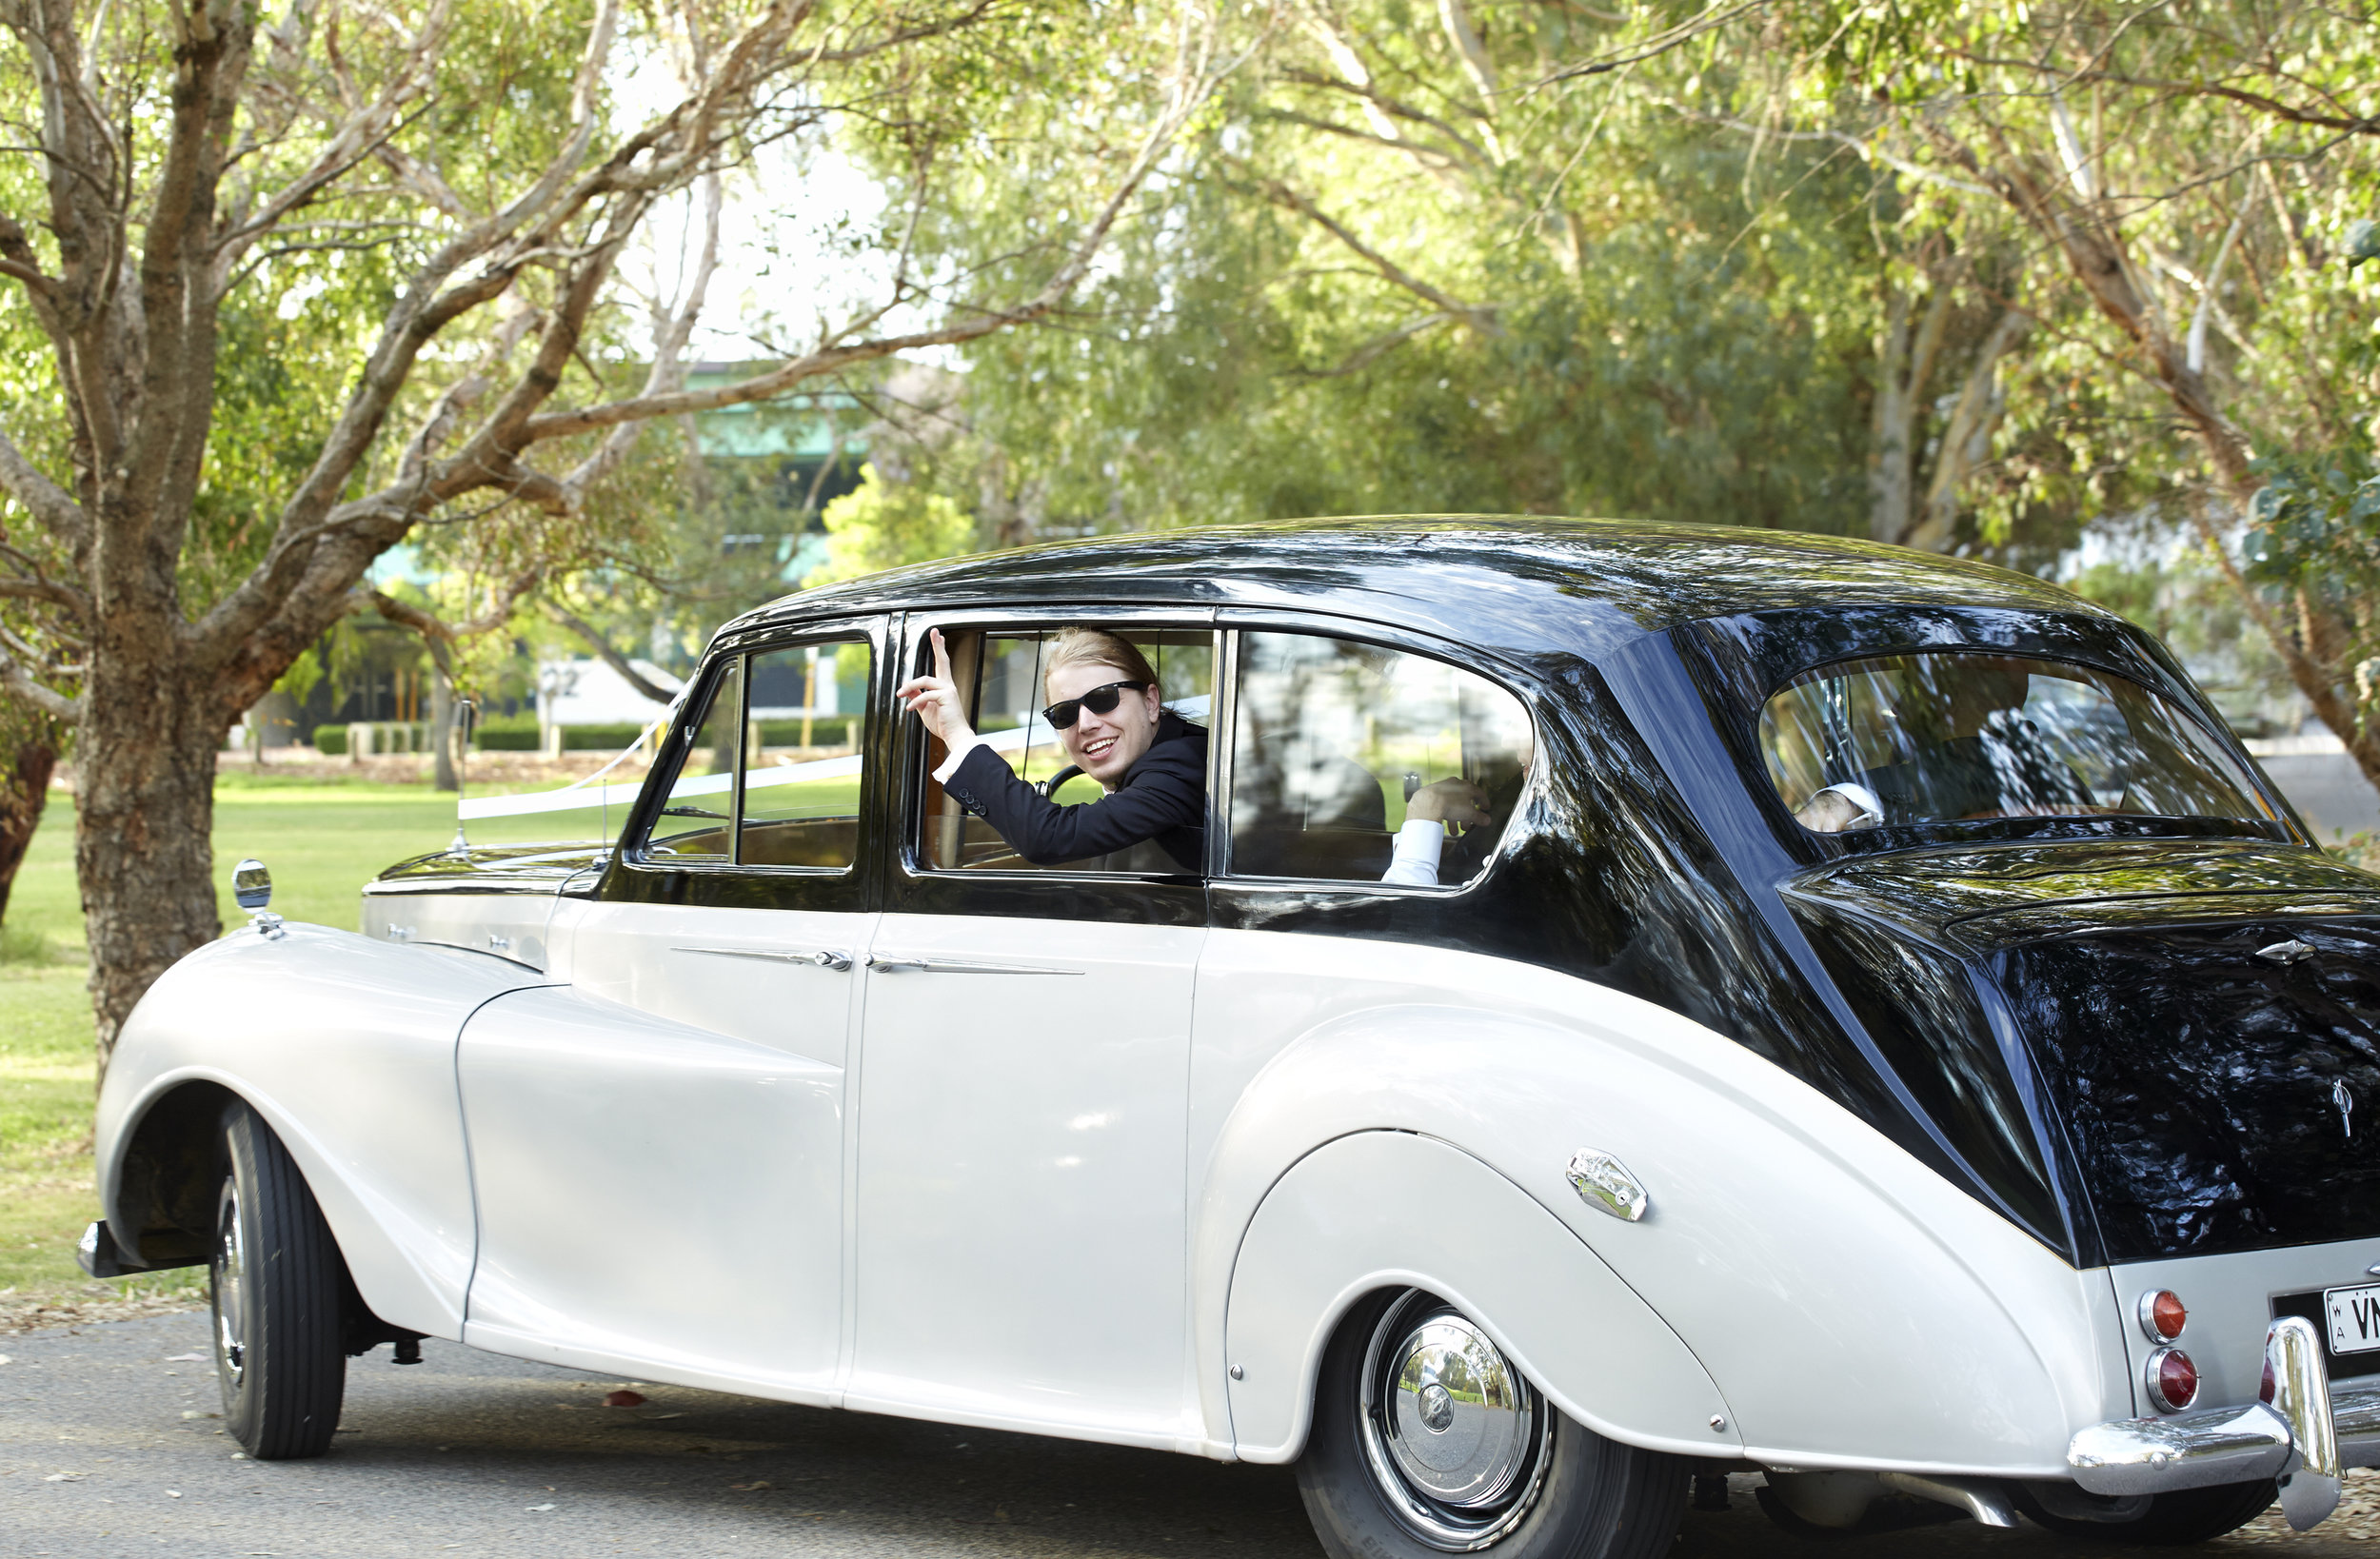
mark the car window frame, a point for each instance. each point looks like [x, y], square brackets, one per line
[913, 747]
[1502, 675]
[637, 873]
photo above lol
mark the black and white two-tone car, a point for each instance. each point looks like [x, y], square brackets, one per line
[1876, 1029]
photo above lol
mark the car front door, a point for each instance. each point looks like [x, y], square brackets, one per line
[657, 1147]
[1020, 1205]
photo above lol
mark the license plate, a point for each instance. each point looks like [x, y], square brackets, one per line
[2354, 1318]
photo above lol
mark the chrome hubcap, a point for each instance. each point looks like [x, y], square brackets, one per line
[231, 1267]
[1456, 1440]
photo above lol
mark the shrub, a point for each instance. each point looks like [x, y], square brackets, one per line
[330, 740]
[826, 731]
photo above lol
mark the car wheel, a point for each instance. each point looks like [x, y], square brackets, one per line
[275, 1275]
[1426, 1441]
[2173, 1520]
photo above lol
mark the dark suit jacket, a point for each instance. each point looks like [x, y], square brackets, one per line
[1162, 798]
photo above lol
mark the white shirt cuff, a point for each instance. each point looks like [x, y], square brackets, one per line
[1415, 860]
[948, 766]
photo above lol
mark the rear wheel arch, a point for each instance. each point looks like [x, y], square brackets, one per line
[1391, 1209]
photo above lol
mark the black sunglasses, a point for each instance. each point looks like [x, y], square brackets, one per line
[1099, 701]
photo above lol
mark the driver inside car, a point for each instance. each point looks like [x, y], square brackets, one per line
[1109, 713]
[1978, 757]
[1424, 854]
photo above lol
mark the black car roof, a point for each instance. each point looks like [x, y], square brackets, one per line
[1515, 582]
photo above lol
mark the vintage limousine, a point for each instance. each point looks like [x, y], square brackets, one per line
[1886, 1036]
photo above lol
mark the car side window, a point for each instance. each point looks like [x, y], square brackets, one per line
[1002, 675]
[801, 794]
[770, 775]
[1334, 745]
[696, 821]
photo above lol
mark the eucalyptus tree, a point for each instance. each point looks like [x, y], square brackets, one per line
[444, 193]
[2196, 182]
[1427, 264]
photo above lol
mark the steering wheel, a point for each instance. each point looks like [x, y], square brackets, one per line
[1050, 786]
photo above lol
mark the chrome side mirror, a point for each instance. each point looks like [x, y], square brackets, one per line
[252, 889]
[251, 885]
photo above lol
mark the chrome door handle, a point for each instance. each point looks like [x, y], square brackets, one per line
[823, 958]
[961, 966]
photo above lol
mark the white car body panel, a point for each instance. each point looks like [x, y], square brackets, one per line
[1020, 1208]
[1021, 1247]
[510, 925]
[346, 1046]
[653, 1196]
[728, 971]
[1872, 1266]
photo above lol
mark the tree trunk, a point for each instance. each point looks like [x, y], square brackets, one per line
[1967, 438]
[1903, 366]
[144, 804]
[26, 764]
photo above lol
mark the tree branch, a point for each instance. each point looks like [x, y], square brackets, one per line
[43, 499]
[1660, 43]
[1479, 317]
[15, 684]
[2345, 124]
[611, 657]
[1199, 81]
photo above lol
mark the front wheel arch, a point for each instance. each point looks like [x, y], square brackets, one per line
[163, 1211]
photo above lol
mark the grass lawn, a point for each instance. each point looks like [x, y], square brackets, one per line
[323, 842]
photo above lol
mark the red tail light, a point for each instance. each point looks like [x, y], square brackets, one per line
[2270, 1388]
[2172, 1379]
[2163, 1314]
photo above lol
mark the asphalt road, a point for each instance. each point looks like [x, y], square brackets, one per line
[107, 1448]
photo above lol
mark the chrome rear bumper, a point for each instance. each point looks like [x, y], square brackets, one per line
[2305, 1436]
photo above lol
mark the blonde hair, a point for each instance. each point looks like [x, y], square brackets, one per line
[1096, 647]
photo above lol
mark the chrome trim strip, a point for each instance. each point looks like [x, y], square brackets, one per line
[823, 958]
[2186, 1450]
[400, 887]
[894, 964]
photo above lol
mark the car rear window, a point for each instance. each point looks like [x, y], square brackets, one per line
[1952, 737]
